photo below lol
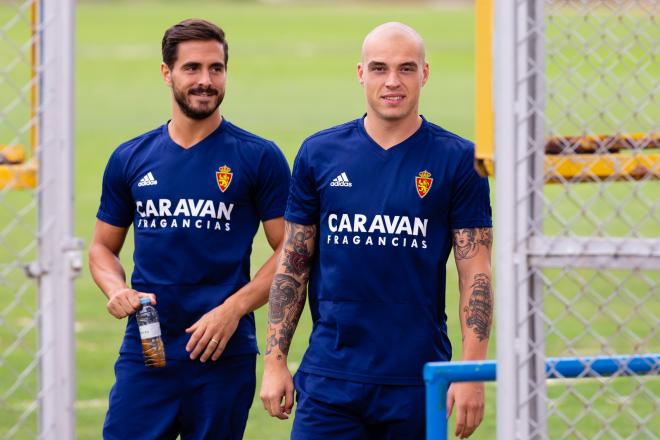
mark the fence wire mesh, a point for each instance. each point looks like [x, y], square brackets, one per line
[592, 278]
[19, 312]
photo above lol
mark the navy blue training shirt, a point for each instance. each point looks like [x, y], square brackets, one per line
[377, 287]
[194, 213]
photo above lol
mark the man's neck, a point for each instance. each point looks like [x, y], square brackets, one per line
[187, 132]
[390, 133]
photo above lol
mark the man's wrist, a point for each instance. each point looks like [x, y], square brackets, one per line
[236, 306]
[275, 358]
[117, 290]
[473, 357]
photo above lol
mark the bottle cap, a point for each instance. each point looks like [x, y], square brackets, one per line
[145, 300]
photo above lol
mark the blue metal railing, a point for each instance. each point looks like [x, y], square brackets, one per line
[438, 376]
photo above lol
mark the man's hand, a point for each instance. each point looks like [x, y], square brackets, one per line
[277, 384]
[211, 333]
[468, 398]
[126, 301]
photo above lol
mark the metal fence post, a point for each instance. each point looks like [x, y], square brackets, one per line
[59, 257]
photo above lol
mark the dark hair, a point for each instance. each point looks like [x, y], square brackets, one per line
[192, 29]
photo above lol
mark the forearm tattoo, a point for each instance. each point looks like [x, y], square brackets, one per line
[282, 295]
[479, 310]
[297, 255]
[468, 241]
[287, 293]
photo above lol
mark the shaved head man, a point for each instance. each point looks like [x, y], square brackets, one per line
[393, 99]
[394, 31]
[374, 208]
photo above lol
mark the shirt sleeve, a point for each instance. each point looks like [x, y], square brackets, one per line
[274, 176]
[117, 205]
[303, 204]
[470, 202]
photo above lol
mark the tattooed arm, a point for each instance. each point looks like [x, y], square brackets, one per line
[285, 304]
[472, 251]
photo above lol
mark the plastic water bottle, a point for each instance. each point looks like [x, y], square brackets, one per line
[152, 342]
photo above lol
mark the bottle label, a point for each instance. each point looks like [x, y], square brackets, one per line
[149, 331]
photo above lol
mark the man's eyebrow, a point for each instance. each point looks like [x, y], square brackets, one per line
[409, 64]
[376, 64]
[191, 64]
[196, 64]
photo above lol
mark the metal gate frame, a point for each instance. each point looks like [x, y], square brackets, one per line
[59, 252]
[522, 250]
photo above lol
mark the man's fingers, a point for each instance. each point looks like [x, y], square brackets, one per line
[219, 349]
[460, 421]
[125, 306]
[197, 342]
[116, 311]
[151, 297]
[134, 301]
[480, 416]
[214, 346]
[470, 422]
[276, 408]
[199, 348]
[288, 400]
[450, 403]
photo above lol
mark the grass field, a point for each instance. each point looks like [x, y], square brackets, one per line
[291, 73]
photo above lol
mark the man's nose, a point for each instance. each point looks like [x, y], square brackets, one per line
[204, 78]
[392, 80]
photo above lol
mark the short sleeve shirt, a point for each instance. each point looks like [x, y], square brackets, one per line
[194, 213]
[385, 221]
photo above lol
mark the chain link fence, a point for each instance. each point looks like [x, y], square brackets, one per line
[19, 314]
[602, 76]
[36, 247]
[586, 207]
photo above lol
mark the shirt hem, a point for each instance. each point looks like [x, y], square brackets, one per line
[271, 215]
[299, 220]
[183, 358]
[112, 221]
[472, 223]
[363, 378]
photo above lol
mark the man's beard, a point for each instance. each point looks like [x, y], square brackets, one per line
[181, 99]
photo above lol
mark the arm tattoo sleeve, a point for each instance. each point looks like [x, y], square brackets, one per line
[479, 311]
[468, 241]
[288, 291]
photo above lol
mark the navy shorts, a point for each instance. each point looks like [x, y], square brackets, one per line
[337, 409]
[195, 400]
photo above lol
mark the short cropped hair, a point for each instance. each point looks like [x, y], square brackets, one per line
[192, 29]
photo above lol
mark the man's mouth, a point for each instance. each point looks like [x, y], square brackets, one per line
[203, 92]
[393, 98]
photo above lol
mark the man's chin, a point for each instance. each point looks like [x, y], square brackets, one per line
[392, 116]
[200, 112]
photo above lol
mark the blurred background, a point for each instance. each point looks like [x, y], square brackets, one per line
[292, 72]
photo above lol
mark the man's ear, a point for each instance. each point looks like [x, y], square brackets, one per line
[167, 74]
[360, 73]
[425, 73]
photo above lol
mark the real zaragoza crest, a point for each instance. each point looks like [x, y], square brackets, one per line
[423, 183]
[223, 175]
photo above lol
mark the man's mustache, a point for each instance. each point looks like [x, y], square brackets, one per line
[203, 91]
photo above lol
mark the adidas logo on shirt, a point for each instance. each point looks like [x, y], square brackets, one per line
[148, 180]
[341, 180]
